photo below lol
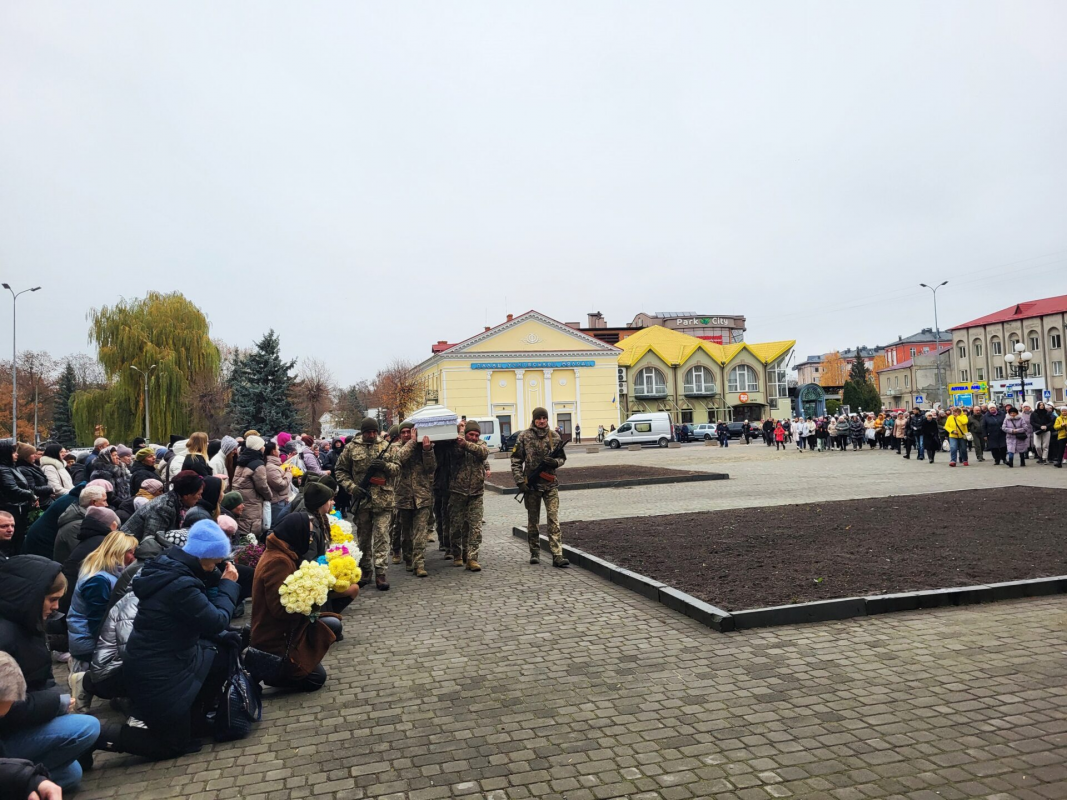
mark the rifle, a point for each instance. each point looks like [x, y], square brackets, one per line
[556, 452]
[364, 484]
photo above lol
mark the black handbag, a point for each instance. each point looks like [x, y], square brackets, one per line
[267, 667]
[240, 706]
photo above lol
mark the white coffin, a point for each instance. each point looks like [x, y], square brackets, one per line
[437, 422]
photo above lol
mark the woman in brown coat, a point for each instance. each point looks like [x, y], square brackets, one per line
[275, 630]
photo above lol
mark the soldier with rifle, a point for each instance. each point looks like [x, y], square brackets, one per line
[366, 469]
[538, 452]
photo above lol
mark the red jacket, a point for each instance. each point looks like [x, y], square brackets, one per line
[779, 434]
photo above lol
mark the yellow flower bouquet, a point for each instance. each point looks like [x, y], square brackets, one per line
[307, 589]
[341, 533]
[343, 562]
[291, 467]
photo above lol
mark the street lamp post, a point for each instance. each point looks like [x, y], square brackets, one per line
[1019, 365]
[145, 374]
[937, 341]
[14, 359]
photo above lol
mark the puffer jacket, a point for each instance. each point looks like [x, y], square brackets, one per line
[16, 493]
[250, 479]
[114, 633]
[855, 430]
[163, 514]
[352, 466]
[87, 609]
[915, 426]
[414, 485]
[55, 471]
[841, 427]
[278, 480]
[532, 446]
[900, 427]
[468, 468]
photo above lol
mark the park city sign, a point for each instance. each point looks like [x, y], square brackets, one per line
[683, 322]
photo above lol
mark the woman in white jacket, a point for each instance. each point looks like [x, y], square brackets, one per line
[55, 469]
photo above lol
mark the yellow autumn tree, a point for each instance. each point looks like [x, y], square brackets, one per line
[834, 371]
[880, 362]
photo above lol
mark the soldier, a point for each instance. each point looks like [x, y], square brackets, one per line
[531, 451]
[399, 436]
[360, 457]
[466, 489]
[414, 496]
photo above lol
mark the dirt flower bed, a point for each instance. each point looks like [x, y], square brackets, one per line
[752, 558]
[607, 472]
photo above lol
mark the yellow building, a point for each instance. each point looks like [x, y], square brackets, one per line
[699, 381]
[528, 361]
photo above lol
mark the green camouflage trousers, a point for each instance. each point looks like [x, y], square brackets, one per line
[465, 516]
[372, 535]
[414, 530]
[533, 516]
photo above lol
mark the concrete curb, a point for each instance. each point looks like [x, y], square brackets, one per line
[817, 611]
[564, 487]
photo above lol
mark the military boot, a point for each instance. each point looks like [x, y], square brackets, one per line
[381, 583]
[396, 558]
[560, 561]
[458, 561]
[420, 572]
[474, 566]
[407, 564]
[535, 556]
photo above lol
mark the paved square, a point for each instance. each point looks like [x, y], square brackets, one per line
[526, 681]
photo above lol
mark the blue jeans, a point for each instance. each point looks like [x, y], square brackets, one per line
[57, 745]
[920, 440]
[957, 446]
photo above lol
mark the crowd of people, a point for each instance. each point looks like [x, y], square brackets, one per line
[1005, 432]
[132, 565]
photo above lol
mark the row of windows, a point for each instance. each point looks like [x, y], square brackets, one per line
[742, 378]
[1055, 342]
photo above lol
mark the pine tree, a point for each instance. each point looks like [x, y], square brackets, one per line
[63, 423]
[261, 385]
[859, 390]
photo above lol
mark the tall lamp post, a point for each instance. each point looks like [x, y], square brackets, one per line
[937, 341]
[14, 359]
[1019, 365]
[145, 374]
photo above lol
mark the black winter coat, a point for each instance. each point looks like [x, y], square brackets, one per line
[993, 427]
[24, 582]
[41, 537]
[38, 481]
[139, 473]
[167, 656]
[1042, 417]
[19, 777]
[16, 493]
[915, 426]
[156, 516]
[931, 433]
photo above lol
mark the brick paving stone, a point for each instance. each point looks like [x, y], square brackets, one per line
[525, 681]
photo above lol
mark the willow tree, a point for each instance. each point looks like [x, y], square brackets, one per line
[164, 330]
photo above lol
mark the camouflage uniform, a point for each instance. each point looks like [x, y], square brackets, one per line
[531, 447]
[466, 488]
[375, 512]
[414, 497]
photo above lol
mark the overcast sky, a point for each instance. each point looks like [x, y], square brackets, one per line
[370, 178]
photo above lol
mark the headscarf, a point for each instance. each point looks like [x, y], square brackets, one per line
[295, 531]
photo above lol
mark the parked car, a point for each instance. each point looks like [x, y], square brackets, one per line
[507, 443]
[705, 430]
[654, 428]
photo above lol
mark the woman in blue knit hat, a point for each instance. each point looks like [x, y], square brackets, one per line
[176, 657]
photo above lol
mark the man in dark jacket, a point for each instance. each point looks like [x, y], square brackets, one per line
[177, 656]
[40, 728]
[166, 511]
[41, 537]
[913, 434]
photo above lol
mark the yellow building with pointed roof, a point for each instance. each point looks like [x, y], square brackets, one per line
[698, 381]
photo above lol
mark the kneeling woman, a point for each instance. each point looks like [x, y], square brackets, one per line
[177, 657]
[300, 642]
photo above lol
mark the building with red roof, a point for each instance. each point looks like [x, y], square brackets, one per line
[979, 347]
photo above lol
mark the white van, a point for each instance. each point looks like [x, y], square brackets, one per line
[654, 428]
[490, 431]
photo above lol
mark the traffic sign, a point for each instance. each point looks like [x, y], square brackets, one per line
[1048, 394]
[918, 399]
[1009, 394]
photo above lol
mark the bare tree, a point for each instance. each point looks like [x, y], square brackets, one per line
[88, 372]
[313, 391]
[398, 388]
[352, 404]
